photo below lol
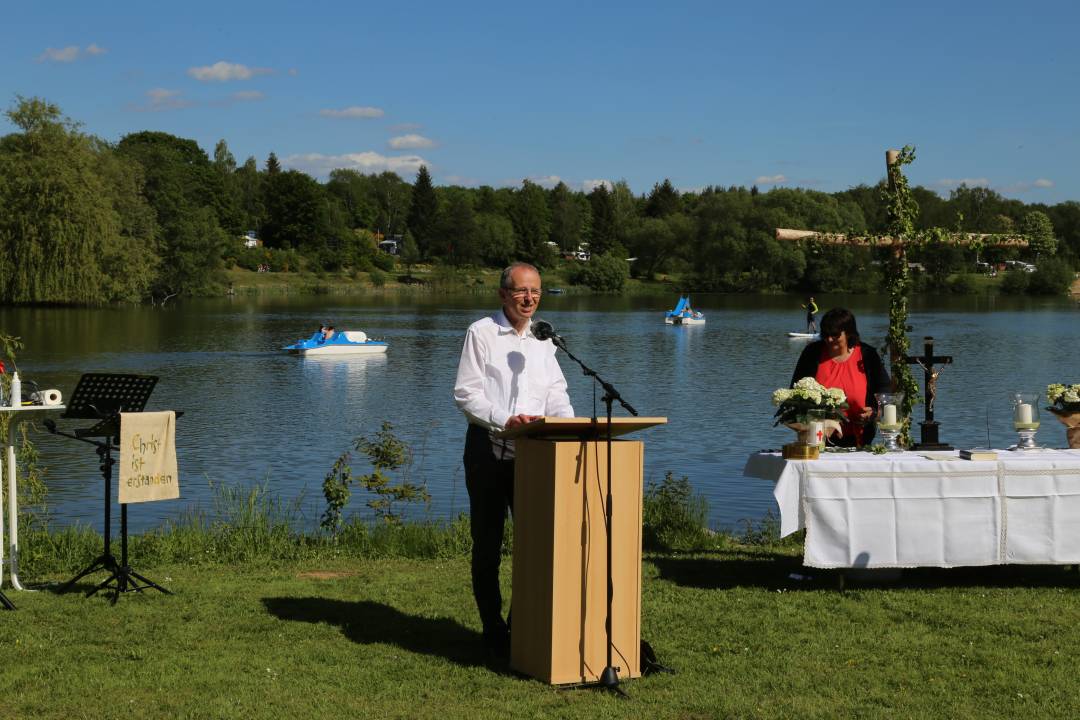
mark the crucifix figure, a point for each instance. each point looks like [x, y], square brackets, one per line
[929, 427]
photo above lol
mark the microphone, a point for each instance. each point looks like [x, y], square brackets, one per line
[543, 330]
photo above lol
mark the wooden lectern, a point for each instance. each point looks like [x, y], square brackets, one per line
[558, 633]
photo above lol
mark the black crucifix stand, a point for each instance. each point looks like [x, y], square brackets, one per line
[928, 429]
[103, 397]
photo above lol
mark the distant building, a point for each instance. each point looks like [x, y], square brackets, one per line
[250, 239]
[392, 245]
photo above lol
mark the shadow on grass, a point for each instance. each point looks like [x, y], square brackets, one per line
[788, 573]
[765, 571]
[366, 622]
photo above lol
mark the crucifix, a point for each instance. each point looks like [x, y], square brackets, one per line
[928, 428]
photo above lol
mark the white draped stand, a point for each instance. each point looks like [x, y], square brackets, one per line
[907, 510]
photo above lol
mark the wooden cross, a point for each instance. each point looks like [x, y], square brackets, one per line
[929, 427]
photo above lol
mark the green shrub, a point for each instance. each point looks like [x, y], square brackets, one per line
[674, 517]
[603, 273]
[273, 258]
[1015, 282]
[384, 261]
[384, 452]
[364, 264]
[963, 284]
[1052, 277]
[378, 278]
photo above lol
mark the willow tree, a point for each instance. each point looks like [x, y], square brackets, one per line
[56, 209]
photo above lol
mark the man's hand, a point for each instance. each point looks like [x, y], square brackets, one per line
[516, 420]
[866, 414]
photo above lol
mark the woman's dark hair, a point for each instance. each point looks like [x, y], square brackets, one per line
[840, 320]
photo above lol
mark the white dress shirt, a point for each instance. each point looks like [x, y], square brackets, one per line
[502, 374]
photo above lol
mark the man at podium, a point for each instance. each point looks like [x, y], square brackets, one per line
[506, 377]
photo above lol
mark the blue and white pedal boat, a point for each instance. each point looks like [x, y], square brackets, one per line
[346, 342]
[683, 314]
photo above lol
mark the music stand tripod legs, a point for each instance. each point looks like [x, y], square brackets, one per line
[121, 578]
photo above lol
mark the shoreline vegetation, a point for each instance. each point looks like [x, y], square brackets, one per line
[427, 279]
[422, 279]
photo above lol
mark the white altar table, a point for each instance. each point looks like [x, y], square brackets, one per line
[912, 509]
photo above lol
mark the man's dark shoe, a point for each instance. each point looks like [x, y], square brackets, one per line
[497, 643]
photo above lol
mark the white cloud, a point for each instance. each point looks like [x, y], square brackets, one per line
[770, 179]
[590, 185]
[411, 142]
[71, 53]
[163, 99]
[356, 111]
[544, 181]
[957, 182]
[64, 55]
[547, 181]
[1023, 187]
[368, 162]
[222, 71]
[247, 96]
[459, 180]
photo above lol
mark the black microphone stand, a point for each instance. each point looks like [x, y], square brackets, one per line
[609, 678]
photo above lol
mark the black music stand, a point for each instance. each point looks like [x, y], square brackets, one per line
[102, 397]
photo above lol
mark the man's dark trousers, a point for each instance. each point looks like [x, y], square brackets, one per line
[490, 481]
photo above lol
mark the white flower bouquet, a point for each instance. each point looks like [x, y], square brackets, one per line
[1065, 404]
[809, 400]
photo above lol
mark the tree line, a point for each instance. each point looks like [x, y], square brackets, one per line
[154, 216]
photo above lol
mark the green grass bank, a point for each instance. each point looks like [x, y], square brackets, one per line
[267, 620]
[398, 638]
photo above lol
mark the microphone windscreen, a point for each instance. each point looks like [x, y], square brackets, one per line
[543, 330]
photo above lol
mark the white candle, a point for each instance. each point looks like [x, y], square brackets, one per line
[888, 414]
[1023, 413]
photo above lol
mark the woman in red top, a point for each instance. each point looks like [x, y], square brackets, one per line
[841, 360]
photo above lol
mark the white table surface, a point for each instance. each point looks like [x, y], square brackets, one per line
[908, 510]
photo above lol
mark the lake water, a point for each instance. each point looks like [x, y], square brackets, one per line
[255, 415]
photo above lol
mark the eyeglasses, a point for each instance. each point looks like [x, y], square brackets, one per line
[522, 292]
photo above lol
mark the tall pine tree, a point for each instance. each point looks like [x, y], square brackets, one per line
[423, 212]
[603, 220]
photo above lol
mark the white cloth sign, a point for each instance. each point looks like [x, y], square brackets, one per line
[148, 457]
[908, 510]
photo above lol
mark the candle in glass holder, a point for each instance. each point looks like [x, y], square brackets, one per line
[888, 415]
[1023, 414]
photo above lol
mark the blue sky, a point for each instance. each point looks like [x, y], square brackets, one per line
[803, 94]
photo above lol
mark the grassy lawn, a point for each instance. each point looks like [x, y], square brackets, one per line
[400, 638]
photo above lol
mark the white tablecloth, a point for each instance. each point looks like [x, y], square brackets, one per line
[907, 510]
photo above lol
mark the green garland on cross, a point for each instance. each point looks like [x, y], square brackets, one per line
[902, 210]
